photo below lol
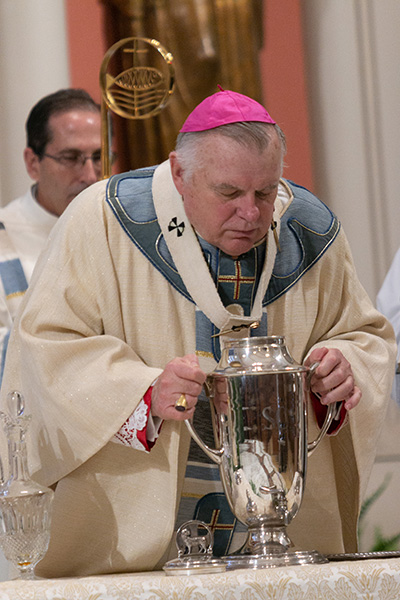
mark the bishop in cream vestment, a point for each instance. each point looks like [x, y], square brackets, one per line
[126, 285]
[95, 332]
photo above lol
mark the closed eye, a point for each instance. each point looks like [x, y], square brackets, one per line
[227, 192]
[268, 194]
[231, 195]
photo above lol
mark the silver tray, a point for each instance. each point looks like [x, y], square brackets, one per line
[194, 566]
[363, 555]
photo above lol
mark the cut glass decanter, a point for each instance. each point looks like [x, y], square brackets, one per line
[25, 506]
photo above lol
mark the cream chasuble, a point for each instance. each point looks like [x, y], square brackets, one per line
[100, 321]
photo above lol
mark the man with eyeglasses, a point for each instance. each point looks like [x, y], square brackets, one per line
[63, 157]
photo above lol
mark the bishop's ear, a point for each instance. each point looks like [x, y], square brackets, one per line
[176, 171]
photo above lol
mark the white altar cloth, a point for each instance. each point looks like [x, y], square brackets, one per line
[366, 579]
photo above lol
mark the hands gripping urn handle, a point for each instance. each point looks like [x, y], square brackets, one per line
[332, 381]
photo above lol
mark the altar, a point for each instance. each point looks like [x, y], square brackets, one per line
[370, 579]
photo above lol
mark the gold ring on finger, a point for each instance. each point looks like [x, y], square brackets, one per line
[181, 403]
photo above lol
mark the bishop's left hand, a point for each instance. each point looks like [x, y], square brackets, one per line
[333, 379]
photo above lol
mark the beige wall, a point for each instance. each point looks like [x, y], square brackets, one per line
[352, 56]
[33, 63]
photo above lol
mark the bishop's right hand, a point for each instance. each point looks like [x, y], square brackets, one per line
[181, 376]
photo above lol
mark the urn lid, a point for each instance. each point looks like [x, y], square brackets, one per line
[257, 355]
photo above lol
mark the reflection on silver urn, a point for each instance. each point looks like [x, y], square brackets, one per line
[259, 404]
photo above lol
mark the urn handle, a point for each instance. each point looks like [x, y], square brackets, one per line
[215, 455]
[332, 411]
[330, 416]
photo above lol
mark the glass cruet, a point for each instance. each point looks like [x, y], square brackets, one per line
[25, 506]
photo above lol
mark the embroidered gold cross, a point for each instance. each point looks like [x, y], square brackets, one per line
[236, 279]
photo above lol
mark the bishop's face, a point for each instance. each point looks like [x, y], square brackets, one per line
[229, 199]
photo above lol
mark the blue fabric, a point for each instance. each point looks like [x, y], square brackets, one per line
[13, 277]
[3, 354]
[213, 509]
[308, 227]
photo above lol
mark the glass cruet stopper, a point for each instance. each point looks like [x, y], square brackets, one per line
[25, 506]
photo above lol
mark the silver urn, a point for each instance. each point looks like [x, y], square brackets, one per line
[259, 397]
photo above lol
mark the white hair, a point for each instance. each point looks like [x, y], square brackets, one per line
[252, 134]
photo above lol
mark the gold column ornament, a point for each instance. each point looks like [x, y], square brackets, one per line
[137, 80]
[212, 41]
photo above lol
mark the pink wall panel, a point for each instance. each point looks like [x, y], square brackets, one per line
[86, 44]
[284, 84]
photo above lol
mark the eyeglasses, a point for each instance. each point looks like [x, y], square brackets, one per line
[76, 159]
